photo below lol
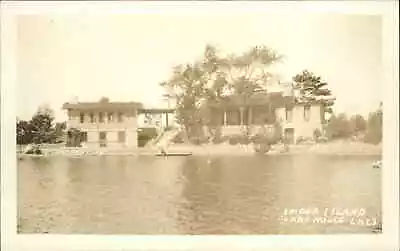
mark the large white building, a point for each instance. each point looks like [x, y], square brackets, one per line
[299, 120]
[105, 124]
[112, 125]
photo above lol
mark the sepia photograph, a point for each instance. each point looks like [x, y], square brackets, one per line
[167, 123]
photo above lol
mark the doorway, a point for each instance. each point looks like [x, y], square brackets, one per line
[289, 135]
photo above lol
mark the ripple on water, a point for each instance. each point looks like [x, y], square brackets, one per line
[228, 195]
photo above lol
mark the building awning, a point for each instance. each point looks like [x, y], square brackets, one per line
[275, 99]
[103, 106]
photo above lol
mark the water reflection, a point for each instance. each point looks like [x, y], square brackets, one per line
[194, 195]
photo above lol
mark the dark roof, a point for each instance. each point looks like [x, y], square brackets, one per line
[276, 99]
[103, 105]
[156, 110]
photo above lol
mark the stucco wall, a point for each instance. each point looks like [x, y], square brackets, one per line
[129, 125]
[302, 127]
[129, 121]
[112, 139]
[131, 138]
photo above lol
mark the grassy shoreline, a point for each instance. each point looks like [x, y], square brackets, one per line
[328, 148]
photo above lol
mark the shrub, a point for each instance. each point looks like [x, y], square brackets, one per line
[34, 150]
[199, 140]
[178, 139]
[278, 132]
[339, 127]
[233, 140]
[74, 137]
[220, 139]
[147, 132]
[374, 128]
[145, 135]
[262, 139]
[244, 140]
[262, 148]
[317, 134]
[322, 139]
[239, 139]
[304, 140]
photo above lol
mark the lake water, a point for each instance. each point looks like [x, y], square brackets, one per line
[197, 195]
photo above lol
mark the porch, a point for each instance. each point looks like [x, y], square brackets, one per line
[243, 119]
[243, 116]
[157, 117]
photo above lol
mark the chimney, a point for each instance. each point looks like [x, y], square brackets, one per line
[74, 100]
[287, 89]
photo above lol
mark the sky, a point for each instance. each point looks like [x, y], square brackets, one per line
[126, 56]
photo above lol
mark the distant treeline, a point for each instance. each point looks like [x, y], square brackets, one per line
[357, 127]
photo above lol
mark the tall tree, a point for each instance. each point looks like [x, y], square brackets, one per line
[187, 88]
[339, 127]
[59, 131]
[375, 127]
[358, 124]
[214, 65]
[311, 88]
[214, 77]
[249, 73]
[24, 132]
[42, 126]
[74, 137]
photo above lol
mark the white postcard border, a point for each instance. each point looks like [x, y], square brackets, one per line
[12, 241]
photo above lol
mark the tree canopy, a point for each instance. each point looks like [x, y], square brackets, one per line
[312, 88]
[215, 76]
[40, 128]
[375, 127]
[369, 131]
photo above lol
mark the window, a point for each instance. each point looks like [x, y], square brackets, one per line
[289, 114]
[82, 117]
[289, 135]
[84, 136]
[110, 117]
[103, 139]
[91, 118]
[69, 114]
[121, 137]
[120, 117]
[233, 117]
[101, 117]
[306, 113]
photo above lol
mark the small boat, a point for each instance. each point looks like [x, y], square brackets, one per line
[173, 154]
[377, 164]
